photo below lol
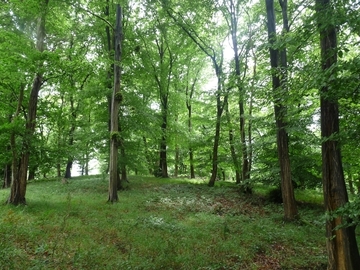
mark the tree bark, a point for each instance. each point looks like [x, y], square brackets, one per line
[58, 170]
[7, 176]
[18, 187]
[109, 82]
[71, 138]
[279, 89]
[341, 244]
[233, 11]
[32, 172]
[250, 150]
[163, 172]
[87, 159]
[177, 160]
[163, 82]
[351, 186]
[219, 110]
[115, 104]
[232, 147]
[189, 96]
[148, 157]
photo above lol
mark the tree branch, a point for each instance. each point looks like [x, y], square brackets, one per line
[98, 16]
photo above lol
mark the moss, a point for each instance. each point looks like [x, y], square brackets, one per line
[119, 97]
[115, 135]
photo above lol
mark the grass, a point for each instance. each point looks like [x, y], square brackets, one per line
[157, 224]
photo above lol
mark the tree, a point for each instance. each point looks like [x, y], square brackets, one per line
[18, 187]
[232, 14]
[189, 92]
[279, 89]
[341, 243]
[215, 54]
[115, 103]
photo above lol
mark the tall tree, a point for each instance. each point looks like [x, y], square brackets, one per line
[189, 92]
[279, 90]
[341, 243]
[232, 14]
[18, 186]
[215, 54]
[115, 103]
[163, 78]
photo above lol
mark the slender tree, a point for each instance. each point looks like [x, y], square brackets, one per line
[232, 14]
[189, 92]
[279, 89]
[163, 83]
[115, 103]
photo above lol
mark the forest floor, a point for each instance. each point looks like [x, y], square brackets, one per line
[158, 224]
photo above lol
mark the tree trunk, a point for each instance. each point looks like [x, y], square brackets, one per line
[192, 169]
[244, 151]
[32, 172]
[250, 114]
[7, 176]
[163, 85]
[123, 173]
[71, 138]
[214, 159]
[351, 186]
[87, 159]
[341, 244]
[232, 147]
[215, 155]
[148, 157]
[219, 110]
[58, 170]
[115, 104]
[177, 160]
[191, 152]
[119, 182]
[68, 169]
[279, 89]
[189, 95]
[18, 187]
[163, 154]
[109, 82]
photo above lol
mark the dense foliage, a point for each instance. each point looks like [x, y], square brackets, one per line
[200, 95]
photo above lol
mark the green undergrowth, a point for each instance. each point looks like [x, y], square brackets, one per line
[157, 224]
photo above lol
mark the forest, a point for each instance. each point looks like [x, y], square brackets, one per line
[250, 108]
